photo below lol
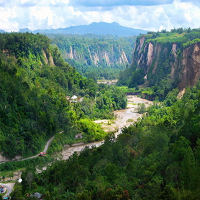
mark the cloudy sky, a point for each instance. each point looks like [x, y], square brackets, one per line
[143, 14]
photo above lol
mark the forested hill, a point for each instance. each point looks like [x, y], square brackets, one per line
[165, 60]
[96, 56]
[34, 81]
[35, 87]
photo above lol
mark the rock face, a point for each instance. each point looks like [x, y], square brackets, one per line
[97, 55]
[161, 60]
[190, 63]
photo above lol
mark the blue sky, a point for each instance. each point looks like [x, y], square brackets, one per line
[143, 14]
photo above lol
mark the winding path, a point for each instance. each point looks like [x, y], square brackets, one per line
[45, 150]
[31, 157]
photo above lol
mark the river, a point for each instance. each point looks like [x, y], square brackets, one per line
[124, 118]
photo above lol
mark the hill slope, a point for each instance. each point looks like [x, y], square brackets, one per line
[35, 86]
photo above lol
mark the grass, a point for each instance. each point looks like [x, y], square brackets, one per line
[168, 37]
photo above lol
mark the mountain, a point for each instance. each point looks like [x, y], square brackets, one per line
[24, 30]
[101, 28]
[165, 60]
[2, 31]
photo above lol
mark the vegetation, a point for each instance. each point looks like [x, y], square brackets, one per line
[34, 84]
[95, 56]
[156, 158]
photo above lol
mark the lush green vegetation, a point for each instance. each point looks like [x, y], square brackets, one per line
[108, 98]
[34, 83]
[156, 158]
[184, 37]
[95, 56]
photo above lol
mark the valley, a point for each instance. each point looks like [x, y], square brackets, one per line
[111, 146]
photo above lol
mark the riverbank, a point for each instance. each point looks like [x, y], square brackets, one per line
[124, 118]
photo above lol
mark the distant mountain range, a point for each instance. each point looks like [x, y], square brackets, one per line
[101, 28]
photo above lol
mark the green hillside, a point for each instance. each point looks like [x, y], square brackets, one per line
[34, 84]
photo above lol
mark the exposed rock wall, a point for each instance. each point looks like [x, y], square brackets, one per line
[182, 64]
[98, 56]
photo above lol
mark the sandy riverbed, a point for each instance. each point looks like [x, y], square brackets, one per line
[124, 117]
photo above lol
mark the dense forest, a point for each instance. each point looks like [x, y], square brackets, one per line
[35, 86]
[156, 158]
[95, 56]
[163, 61]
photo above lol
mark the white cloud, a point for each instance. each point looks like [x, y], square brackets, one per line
[46, 14]
[7, 19]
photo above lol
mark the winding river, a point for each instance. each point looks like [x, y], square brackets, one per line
[124, 118]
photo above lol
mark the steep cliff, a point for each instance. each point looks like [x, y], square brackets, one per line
[164, 61]
[97, 56]
[87, 53]
[161, 60]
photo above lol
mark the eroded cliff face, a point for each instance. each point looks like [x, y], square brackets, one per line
[190, 62]
[168, 60]
[48, 60]
[98, 56]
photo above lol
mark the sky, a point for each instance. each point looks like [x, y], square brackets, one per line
[151, 15]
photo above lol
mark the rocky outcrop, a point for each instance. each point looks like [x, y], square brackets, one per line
[168, 59]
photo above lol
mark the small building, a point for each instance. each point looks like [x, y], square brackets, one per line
[74, 99]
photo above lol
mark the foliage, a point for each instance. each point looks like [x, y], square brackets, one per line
[141, 108]
[156, 158]
[108, 99]
[34, 83]
[92, 132]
